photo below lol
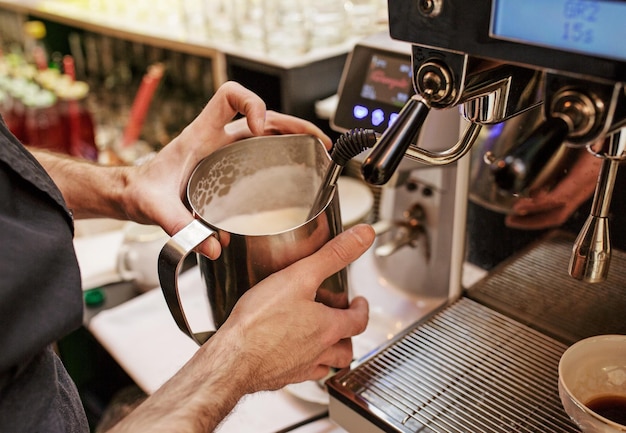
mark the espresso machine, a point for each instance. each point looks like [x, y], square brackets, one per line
[485, 357]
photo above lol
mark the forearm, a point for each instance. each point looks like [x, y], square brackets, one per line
[198, 397]
[89, 190]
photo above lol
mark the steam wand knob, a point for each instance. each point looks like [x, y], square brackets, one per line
[591, 254]
[386, 156]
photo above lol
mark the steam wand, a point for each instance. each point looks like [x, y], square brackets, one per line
[591, 254]
[347, 146]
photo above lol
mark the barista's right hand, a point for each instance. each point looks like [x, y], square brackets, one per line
[277, 334]
[284, 336]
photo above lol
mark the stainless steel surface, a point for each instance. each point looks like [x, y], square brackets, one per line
[488, 362]
[533, 287]
[415, 249]
[459, 59]
[591, 254]
[252, 176]
[466, 369]
[170, 264]
[409, 231]
[498, 143]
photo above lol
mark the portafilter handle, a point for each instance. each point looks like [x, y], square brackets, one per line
[515, 171]
[591, 254]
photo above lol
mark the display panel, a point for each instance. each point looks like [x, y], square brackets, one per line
[377, 83]
[388, 80]
[593, 27]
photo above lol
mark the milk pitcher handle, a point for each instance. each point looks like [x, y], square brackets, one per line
[171, 261]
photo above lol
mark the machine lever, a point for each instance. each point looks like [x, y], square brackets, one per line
[384, 159]
[520, 167]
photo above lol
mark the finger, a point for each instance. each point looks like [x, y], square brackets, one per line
[535, 221]
[537, 206]
[319, 373]
[278, 123]
[350, 321]
[229, 100]
[339, 355]
[180, 218]
[210, 248]
[335, 255]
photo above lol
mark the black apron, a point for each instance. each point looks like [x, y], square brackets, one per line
[40, 297]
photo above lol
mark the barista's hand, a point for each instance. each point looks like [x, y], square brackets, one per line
[284, 335]
[276, 334]
[547, 209]
[154, 190]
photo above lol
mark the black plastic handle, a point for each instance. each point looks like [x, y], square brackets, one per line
[520, 167]
[384, 159]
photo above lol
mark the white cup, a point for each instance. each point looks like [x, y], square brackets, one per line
[138, 255]
[590, 370]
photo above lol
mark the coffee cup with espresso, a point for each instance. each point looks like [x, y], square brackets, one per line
[592, 383]
[254, 196]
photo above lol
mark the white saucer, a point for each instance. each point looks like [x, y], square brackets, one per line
[355, 200]
[310, 391]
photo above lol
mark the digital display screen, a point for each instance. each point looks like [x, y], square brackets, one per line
[388, 80]
[593, 27]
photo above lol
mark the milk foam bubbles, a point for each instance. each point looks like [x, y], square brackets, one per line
[266, 222]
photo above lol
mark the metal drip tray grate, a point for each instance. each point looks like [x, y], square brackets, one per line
[466, 369]
[534, 288]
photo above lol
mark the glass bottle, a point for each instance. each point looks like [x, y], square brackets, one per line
[42, 123]
[77, 121]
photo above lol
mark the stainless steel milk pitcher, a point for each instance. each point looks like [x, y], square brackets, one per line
[249, 177]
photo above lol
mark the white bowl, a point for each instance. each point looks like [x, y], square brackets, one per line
[592, 368]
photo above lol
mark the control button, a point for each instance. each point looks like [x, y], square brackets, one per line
[392, 119]
[378, 117]
[360, 112]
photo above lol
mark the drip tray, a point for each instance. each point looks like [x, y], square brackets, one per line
[466, 369]
[535, 288]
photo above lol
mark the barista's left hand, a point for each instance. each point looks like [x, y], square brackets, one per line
[153, 193]
[155, 188]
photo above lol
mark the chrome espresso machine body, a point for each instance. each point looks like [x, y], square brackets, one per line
[487, 359]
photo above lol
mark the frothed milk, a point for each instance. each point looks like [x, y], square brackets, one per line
[263, 223]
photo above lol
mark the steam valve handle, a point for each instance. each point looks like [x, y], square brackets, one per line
[386, 156]
[517, 170]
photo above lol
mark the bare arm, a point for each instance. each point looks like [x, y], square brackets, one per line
[89, 190]
[151, 193]
[277, 334]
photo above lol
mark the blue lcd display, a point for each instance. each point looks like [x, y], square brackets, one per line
[593, 27]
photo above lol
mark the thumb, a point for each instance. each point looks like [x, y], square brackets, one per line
[335, 255]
